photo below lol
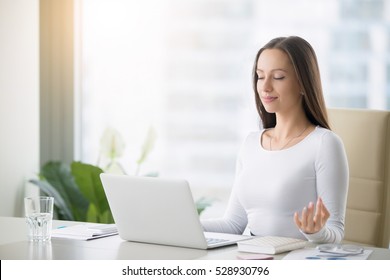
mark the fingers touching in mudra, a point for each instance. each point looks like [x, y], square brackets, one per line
[312, 219]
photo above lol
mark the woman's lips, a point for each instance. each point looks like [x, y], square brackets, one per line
[268, 99]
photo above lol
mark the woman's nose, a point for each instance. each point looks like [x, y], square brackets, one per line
[266, 85]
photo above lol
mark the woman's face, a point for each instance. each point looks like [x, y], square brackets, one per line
[277, 83]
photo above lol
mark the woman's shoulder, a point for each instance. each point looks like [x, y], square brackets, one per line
[254, 136]
[325, 132]
[326, 136]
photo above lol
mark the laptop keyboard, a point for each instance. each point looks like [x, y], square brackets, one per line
[211, 241]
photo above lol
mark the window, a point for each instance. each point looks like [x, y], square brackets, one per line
[184, 67]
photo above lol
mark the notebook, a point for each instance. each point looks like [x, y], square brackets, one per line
[271, 245]
[84, 231]
[159, 211]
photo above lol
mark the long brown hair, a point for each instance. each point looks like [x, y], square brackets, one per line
[304, 61]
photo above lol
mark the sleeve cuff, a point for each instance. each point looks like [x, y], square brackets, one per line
[317, 237]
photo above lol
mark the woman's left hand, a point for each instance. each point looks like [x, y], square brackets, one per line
[312, 220]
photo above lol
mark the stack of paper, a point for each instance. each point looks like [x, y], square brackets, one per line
[85, 231]
[270, 245]
[314, 254]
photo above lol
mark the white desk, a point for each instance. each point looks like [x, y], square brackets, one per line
[15, 246]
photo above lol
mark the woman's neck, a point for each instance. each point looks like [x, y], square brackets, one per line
[288, 126]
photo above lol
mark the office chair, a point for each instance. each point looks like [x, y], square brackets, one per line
[366, 137]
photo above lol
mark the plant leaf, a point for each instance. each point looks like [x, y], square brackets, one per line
[112, 144]
[202, 203]
[92, 216]
[59, 175]
[87, 178]
[148, 145]
[106, 217]
[63, 209]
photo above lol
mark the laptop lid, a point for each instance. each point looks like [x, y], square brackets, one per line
[154, 210]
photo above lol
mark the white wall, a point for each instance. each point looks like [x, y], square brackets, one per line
[19, 100]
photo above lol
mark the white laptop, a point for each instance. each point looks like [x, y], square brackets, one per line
[159, 211]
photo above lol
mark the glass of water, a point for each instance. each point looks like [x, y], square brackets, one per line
[39, 216]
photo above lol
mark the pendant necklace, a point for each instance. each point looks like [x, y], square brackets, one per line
[271, 138]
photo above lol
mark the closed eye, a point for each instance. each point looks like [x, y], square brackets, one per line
[275, 78]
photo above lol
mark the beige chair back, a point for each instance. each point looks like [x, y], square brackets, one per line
[366, 137]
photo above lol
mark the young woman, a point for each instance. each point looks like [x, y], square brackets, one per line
[292, 175]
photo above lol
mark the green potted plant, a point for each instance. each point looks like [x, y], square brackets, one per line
[77, 190]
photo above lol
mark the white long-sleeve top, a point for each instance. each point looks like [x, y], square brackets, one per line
[271, 185]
